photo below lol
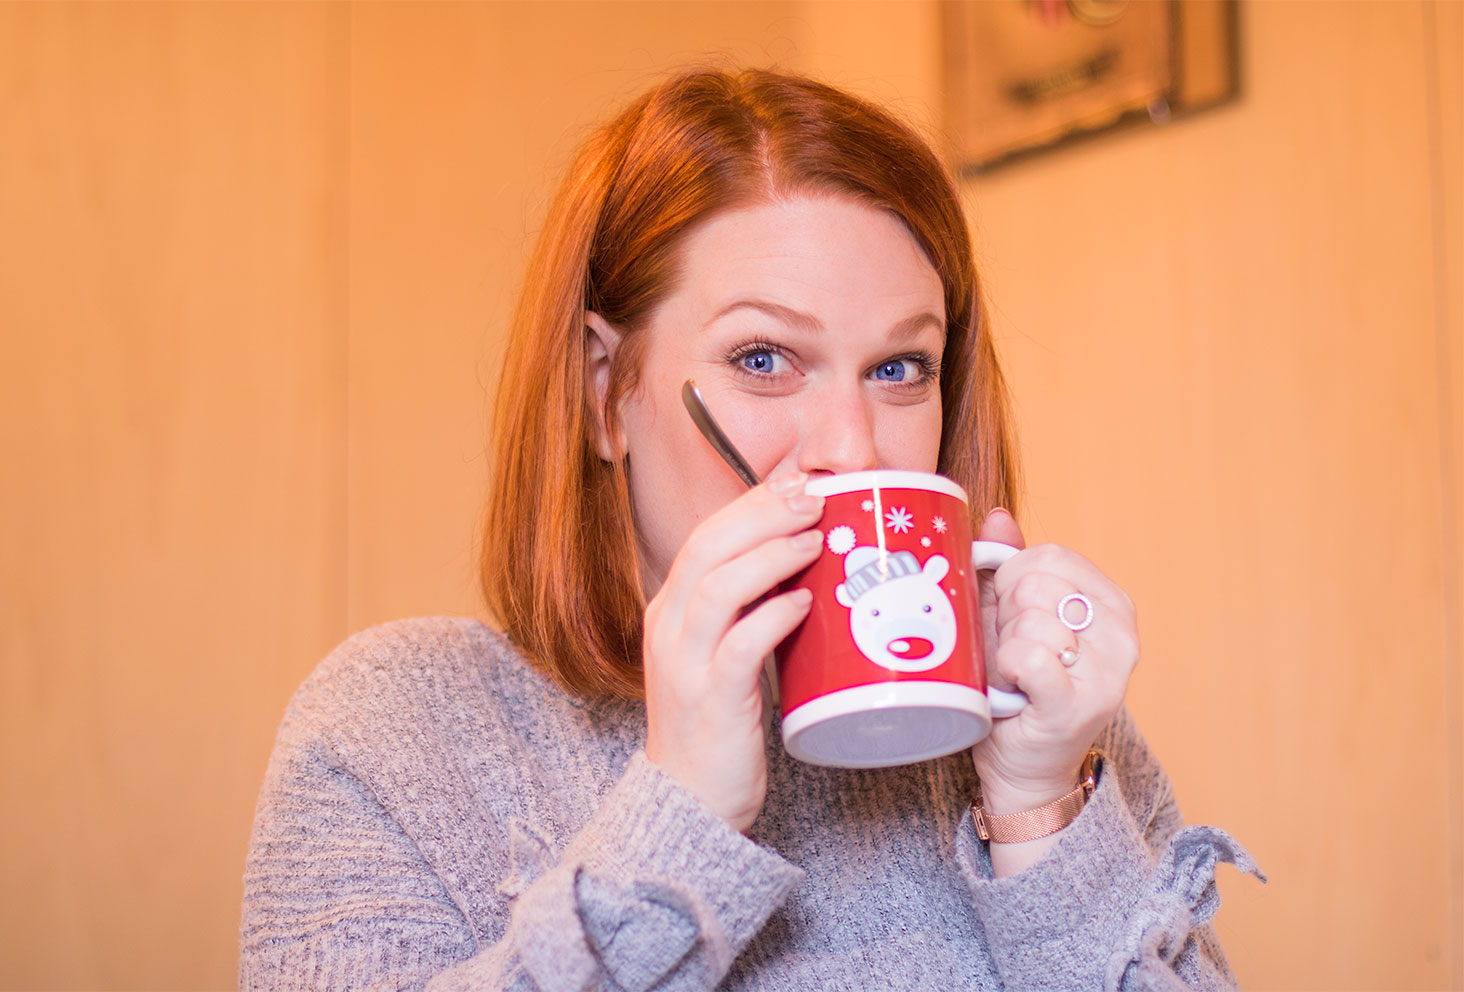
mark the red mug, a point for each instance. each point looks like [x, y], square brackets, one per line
[888, 667]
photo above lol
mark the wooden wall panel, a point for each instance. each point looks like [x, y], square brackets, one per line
[883, 51]
[463, 119]
[1443, 26]
[258, 263]
[171, 408]
[1223, 340]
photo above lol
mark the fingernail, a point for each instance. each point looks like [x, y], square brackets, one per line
[800, 596]
[808, 540]
[804, 503]
[998, 509]
[783, 485]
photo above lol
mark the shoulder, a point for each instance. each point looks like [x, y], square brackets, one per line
[389, 786]
[413, 655]
[408, 676]
[402, 647]
[440, 700]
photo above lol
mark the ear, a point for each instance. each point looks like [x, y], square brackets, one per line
[936, 567]
[601, 342]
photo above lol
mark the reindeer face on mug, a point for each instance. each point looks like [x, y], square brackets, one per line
[898, 614]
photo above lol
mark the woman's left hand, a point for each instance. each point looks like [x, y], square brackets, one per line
[1033, 758]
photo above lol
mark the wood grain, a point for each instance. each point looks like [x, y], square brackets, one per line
[171, 293]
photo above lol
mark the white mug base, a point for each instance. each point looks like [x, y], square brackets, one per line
[887, 723]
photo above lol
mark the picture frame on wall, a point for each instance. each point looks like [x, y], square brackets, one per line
[1026, 76]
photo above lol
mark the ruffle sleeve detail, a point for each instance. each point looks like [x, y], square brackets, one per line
[638, 932]
[530, 855]
[655, 892]
[1183, 899]
[1102, 909]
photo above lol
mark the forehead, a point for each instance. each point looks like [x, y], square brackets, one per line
[813, 253]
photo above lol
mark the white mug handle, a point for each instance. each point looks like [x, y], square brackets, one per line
[990, 554]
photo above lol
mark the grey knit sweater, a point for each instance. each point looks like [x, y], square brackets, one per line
[437, 814]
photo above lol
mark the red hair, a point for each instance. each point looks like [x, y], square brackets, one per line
[559, 554]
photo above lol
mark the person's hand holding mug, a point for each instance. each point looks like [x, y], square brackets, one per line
[882, 672]
[707, 633]
[1063, 633]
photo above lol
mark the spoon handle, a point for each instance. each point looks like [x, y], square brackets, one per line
[702, 417]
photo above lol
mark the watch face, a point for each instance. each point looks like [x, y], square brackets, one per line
[1091, 771]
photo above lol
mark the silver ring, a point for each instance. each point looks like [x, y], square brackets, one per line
[1069, 657]
[1082, 624]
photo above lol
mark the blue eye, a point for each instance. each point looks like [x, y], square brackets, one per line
[761, 363]
[891, 371]
[758, 361]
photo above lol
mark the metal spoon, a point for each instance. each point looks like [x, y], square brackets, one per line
[705, 423]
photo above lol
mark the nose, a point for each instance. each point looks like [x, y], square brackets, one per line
[838, 435]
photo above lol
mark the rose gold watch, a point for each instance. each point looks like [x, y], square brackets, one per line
[1013, 828]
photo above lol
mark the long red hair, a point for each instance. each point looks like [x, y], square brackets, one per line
[559, 558]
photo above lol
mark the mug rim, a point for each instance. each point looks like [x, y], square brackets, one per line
[884, 478]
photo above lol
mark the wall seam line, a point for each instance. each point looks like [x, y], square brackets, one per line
[347, 358]
[1449, 499]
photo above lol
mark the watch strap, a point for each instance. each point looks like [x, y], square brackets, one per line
[1014, 828]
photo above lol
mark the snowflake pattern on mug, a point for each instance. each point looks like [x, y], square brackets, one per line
[841, 539]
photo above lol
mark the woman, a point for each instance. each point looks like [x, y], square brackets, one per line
[596, 799]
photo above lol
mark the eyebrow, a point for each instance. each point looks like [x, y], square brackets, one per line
[799, 320]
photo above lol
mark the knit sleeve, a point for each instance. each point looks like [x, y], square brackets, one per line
[655, 892]
[1123, 902]
[345, 885]
[336, 895]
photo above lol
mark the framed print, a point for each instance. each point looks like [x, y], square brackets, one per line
[1026, 75]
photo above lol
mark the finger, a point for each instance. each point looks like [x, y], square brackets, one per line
[758, 515]
[722, 593]
[1101, 666]
[1002, 527]
[776, 507]
[1035, 590]
[1028, 627]
[1079, 573]
[1028, 612]
[1040, 626]
[739, 658]
[1034, 668]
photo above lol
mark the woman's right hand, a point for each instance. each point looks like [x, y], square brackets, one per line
[703, 654]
